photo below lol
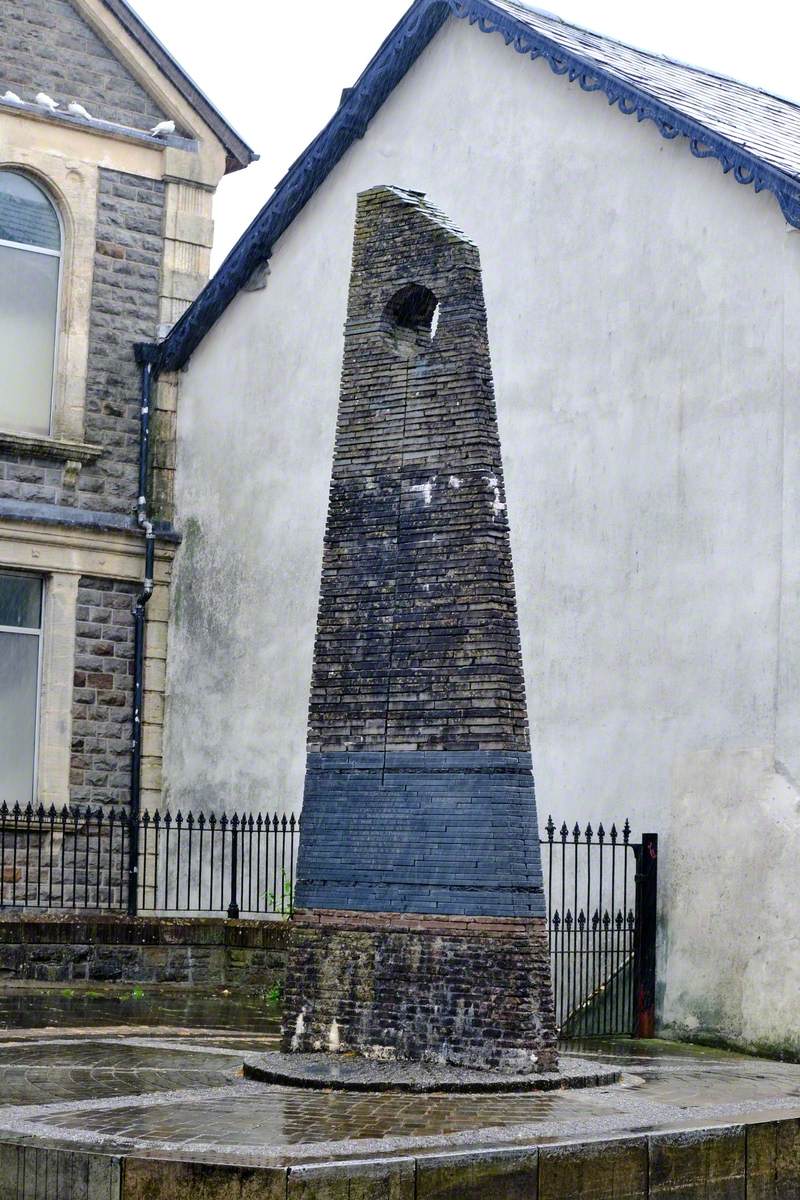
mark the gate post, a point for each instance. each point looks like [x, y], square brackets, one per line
[644, 951]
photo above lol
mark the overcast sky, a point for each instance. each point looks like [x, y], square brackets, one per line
[276, 70]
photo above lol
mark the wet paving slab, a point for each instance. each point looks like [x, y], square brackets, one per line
[37, 1073]
[174, 1089]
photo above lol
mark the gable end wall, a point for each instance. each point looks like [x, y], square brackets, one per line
[45, 46]
[643, 312]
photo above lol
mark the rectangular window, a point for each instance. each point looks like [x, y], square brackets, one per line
[20, 653]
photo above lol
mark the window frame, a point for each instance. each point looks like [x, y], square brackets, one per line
[26, 631]
[7, 169]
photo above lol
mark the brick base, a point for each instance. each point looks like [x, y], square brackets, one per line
[468, 991]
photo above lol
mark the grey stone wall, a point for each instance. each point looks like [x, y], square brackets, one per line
[127, 265]
[46, 46]
[77, 948]
[39, 480]
[103, 693]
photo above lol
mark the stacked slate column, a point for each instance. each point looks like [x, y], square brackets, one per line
[419, 929]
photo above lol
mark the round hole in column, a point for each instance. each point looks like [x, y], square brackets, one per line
[412, 317]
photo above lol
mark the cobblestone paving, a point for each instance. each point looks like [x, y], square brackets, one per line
[40, 1073]
[258, 1115]
[155, 1091]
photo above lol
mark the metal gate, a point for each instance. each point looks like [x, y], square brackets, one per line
[600, 889]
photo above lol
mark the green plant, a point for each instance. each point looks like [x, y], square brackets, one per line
[137, 994]
[283, 900]
[275, 993]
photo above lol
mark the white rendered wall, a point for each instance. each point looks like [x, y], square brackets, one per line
[643, 316]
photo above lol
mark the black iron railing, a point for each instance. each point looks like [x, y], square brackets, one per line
[600, 892]
[599, 887]
[193, 864]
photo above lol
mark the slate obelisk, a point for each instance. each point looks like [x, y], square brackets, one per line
[419, 928]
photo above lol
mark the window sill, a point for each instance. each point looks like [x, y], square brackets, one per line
[47, 447]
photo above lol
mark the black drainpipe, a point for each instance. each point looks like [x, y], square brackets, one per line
[144, 355]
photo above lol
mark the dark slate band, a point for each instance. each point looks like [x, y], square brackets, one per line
[421, 831]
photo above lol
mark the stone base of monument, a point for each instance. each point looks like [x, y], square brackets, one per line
[354, 1073]
[464, 992]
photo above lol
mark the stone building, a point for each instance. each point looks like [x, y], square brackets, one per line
[105, 230]
[638, 228]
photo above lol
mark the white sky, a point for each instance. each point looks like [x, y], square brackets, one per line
[276, 69]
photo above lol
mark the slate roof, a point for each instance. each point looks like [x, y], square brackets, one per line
[767, 125]
[754, 136]
[238, 153]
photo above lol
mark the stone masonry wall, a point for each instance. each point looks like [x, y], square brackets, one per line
[46, 46]
[125, 299]
[468, 991]
[79, 948]
[103, 693]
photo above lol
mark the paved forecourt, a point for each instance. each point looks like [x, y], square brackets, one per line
[127, 1113]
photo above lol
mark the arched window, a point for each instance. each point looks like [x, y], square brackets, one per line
[30, 265]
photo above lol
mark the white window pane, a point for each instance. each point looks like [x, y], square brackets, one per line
[20, 601]
[28, 302]
[26, 213]
[19, 673]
